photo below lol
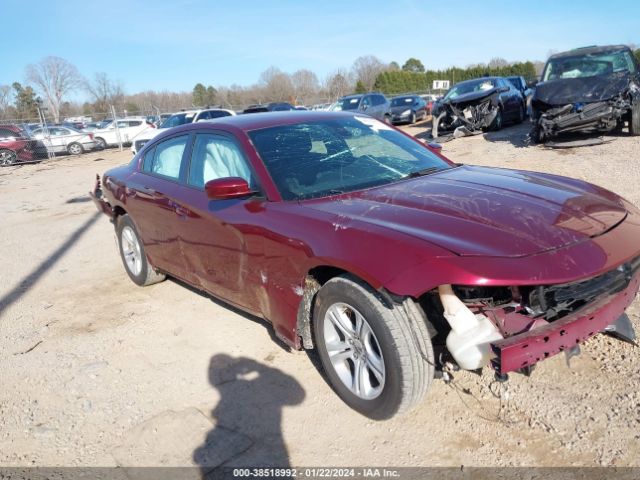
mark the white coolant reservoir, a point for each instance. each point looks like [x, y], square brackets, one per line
[470, 334]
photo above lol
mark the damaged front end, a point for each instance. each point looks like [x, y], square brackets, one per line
[536, 322]
[587, 111]
[465, 118]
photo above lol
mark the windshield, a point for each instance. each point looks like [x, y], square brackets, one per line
[316, 159]
[471, 86]
[177, 120]
[589, 65]
[402, 101]
[349, 103]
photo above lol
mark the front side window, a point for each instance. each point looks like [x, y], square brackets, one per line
[316, 159]
[168, 157]
[216, 157]
[349, 103]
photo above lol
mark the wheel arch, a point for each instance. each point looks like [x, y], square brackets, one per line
[316, 277]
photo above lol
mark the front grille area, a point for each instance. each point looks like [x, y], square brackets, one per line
[555, 301]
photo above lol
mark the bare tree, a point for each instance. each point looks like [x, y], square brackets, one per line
[366, 69]
[5, 100]
[277, 85]
[54, 77]
[305, 84]
[104, 92]
[338, 84]
[497, 62]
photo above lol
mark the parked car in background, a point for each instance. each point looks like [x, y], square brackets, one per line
[91, 126]
[177, 119]
[15, 145]
[357, 240]
[269, 107]
[59, 139]
[591, 89]
[408, 109]
[128, 128]
[430, 99]
[477, 105]
[521, 85]
[375, 105]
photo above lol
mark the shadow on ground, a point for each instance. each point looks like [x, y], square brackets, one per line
[248, 415]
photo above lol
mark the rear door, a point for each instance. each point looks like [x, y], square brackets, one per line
[151, 202]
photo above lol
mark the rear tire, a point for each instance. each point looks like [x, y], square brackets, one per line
[634, 118]
[133, 255]
[387, 120]
[378, 358]
[75, 149]
[8, 157]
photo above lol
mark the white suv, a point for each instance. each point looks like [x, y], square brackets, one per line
[128, 128]
[177, 119]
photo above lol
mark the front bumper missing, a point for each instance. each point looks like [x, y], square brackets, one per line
[98, 199]
[521, 351]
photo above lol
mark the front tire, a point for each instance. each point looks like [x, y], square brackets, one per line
[521, 113]
[378, 357]
[634, 119]
[133, 255]
[100, 143]
[412, 118]
[497, 122]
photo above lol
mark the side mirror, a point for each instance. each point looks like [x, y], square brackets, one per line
[532, 84]
[503, 89]
[363, 107]
[434, 145]
[225, 188]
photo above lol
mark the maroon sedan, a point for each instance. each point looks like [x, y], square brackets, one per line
[15, 146]
[356, 239]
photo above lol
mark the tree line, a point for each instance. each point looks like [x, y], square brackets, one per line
[50, 83]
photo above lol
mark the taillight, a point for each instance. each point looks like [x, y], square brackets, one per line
[91, 136]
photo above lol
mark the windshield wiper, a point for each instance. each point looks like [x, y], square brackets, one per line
[424, 171]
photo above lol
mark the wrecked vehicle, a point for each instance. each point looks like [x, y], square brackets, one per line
[591, 89]
[477, 105]
[356, 239]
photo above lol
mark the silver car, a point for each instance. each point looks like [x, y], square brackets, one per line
[62, 140]
[373, 104]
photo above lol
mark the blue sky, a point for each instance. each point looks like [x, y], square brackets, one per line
[173, 44]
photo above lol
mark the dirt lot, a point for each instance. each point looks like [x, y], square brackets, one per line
[97, 371]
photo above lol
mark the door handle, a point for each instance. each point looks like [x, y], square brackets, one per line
[148, 190]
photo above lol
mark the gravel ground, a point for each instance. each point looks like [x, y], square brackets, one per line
[99, 372]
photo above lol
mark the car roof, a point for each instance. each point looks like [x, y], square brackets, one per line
[479, 78]
[590, 50]
[256, 121]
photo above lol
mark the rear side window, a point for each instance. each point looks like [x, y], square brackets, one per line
[219, 114]
[135, 123]
[167, 158]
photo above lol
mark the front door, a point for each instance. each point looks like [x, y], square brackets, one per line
[219, 239]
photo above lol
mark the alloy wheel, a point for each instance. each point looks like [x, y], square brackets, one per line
[7, 157]
[131, 250]
[354, 351]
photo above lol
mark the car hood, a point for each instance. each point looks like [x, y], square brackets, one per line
[482, 211]
[472, 96]
[582, 90]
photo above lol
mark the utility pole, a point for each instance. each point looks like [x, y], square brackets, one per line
[115, 123]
